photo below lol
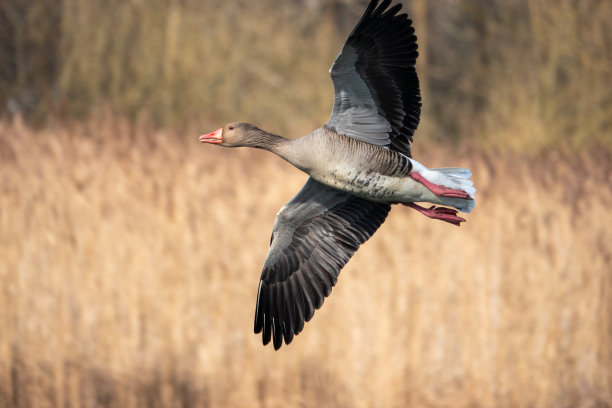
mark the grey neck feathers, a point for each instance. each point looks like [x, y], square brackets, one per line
[260, 139]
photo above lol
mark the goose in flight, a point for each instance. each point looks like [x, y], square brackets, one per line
[359, 163]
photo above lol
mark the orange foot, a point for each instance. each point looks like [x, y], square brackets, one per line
[438, 190]
[438, 213]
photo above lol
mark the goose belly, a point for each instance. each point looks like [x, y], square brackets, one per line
[374, 186]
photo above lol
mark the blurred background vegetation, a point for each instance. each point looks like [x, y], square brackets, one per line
[130, 254]
[524, 74]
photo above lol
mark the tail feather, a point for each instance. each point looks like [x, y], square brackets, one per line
[462, 205]
[452, 177]
[459, 172]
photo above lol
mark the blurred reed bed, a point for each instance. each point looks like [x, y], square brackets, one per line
[538, 68]
[130, 259]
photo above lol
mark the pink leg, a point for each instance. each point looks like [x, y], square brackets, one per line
[438, 190]
[438, 213]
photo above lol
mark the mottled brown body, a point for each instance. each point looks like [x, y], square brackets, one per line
[369, 171]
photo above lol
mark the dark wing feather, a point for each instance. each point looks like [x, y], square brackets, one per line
[314, 236]
[377, 97]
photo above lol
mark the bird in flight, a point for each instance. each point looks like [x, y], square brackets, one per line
[360, 163]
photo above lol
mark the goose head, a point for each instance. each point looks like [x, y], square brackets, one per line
[233, 134]
[237, 134]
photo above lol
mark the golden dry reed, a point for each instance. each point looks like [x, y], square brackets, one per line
[130, 260]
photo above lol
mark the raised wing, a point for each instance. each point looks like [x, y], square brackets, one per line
[314, 236]
[377, 97]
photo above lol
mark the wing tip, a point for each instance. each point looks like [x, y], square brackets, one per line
[266, 336]
[277, 334]
[259, 318]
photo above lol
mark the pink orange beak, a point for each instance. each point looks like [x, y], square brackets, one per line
[215, 137]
